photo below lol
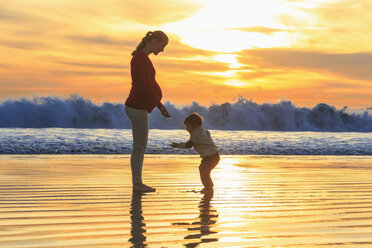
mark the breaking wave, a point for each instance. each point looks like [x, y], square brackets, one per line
[242, 114]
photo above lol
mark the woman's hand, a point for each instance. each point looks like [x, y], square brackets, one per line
[164, 112]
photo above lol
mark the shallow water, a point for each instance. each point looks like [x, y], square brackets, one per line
[259, 201]
[119, 141]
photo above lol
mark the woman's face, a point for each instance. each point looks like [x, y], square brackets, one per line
[158, 45]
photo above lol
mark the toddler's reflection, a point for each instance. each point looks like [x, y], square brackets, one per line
[207, 219]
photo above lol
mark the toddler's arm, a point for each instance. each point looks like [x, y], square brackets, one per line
[187, 144]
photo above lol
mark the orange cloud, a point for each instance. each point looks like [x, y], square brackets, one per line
[66, 47]
[354, 65]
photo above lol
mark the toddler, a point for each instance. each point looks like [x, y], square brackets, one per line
[202, 142]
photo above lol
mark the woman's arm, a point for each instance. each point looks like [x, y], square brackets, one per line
[164, 111]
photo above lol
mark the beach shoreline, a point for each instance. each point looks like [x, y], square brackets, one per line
[259, 201]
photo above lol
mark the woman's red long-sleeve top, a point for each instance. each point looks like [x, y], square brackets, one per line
[145, 92]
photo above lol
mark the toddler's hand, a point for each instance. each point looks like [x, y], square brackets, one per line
[174, 144]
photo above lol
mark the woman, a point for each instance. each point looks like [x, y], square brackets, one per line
[144, 96]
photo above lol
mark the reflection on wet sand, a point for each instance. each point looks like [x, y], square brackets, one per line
[207, 219]
[137, 225]
[277, 201]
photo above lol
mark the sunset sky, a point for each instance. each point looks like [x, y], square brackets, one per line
[305, 51]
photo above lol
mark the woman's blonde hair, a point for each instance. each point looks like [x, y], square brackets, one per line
[160, 35]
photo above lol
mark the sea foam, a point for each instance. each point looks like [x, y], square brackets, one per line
[241, 114]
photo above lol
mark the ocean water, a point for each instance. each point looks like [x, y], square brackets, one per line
[51, 125]
[119, 141]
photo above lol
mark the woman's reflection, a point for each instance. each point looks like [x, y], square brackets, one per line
[207, 219]
[138, 226]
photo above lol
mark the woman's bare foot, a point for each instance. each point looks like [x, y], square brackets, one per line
[142, 188]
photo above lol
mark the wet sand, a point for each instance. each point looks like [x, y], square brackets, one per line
[50, 201]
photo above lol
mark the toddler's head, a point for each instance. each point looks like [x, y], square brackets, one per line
[193, 121]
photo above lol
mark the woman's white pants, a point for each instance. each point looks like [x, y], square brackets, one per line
[140, 129]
